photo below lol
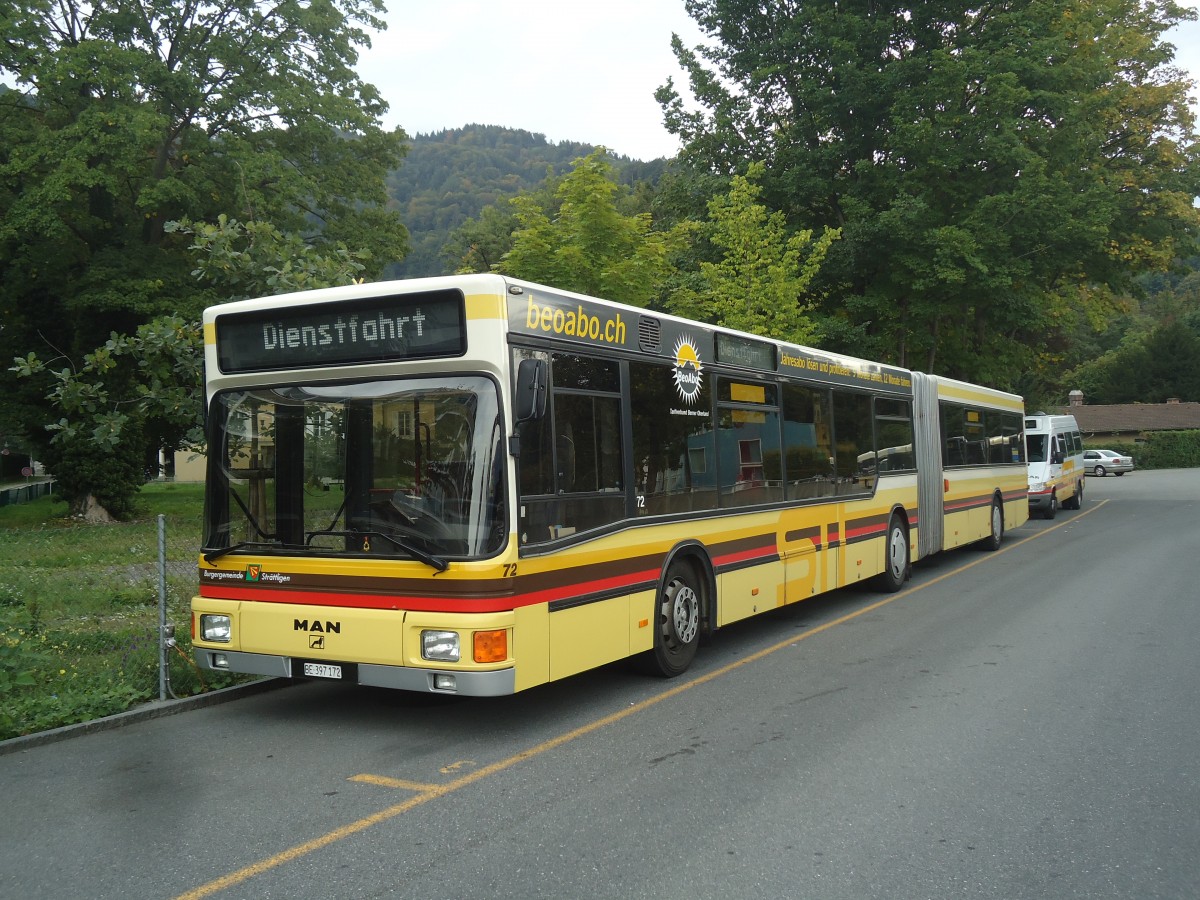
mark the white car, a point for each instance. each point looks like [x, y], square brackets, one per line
[1101, 462]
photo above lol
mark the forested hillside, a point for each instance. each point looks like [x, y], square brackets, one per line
[450, 176]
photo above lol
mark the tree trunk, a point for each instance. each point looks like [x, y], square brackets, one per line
[90, 511]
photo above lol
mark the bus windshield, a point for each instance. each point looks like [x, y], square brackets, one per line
[1035, 446]
[406, 468]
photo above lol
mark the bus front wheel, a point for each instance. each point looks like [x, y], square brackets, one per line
[677, 625]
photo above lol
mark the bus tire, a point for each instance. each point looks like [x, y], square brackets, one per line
[678, 613]
[1052, 509]
[996, 536]
[896, 563]
[1076, 500]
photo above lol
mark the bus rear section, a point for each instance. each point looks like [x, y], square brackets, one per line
[1054, 449]
[972, 465]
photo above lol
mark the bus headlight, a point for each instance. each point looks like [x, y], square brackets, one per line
[440, 645]
[215, 628]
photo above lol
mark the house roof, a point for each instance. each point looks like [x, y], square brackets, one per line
[1124, 417]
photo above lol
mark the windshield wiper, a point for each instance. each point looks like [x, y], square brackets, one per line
[213, 555]
[434, 562]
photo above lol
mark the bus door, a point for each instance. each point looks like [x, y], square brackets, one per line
[809, 533]
[801, 543]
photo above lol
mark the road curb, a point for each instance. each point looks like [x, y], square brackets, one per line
[153, 710]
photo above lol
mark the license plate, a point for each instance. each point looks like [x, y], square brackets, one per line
[322, 670]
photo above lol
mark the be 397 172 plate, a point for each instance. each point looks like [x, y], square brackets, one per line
[322, 670]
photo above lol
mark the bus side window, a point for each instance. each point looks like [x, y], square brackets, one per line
[853, 432]
[574, 481]
[674, 445]
[894, 435]
[808, 449]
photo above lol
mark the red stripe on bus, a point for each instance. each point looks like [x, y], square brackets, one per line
[633, 581]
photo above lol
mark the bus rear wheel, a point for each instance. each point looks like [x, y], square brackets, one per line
[994, 538]
[1075, 501]
[896, 565]
[677, 622]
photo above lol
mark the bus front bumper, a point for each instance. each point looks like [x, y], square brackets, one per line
[1040, 497]
[497, 683]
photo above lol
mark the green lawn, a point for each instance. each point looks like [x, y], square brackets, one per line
[79, 609]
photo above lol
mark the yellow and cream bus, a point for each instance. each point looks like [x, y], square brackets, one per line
[476, 485]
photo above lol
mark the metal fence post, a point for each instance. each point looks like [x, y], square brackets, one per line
[162, 607]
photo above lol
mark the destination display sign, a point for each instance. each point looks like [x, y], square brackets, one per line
[374, 329]
[737, 350]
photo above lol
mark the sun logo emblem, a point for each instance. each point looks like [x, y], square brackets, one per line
[687, 370]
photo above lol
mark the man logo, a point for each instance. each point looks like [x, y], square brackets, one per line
[316, 626]
[316, 642]
[687, 370]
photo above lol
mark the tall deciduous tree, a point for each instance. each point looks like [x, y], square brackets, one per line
[577, 239]
[128, 114]
[995, 170]
[761, 283]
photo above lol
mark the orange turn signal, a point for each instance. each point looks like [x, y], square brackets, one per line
[491, 646]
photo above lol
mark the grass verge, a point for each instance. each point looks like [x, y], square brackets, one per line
[79, 610]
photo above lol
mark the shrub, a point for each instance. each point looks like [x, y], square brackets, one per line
[1169, 450]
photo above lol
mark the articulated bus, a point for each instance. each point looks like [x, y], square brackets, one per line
[476, 485]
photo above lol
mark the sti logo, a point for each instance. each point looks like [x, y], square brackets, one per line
[253, 573]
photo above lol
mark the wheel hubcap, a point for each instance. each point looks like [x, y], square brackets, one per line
[897, 552]
[681, 613]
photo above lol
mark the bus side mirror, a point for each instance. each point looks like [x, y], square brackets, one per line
[530, 400]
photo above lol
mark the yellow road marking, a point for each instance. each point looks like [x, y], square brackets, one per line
[384, 781]
[427, 792]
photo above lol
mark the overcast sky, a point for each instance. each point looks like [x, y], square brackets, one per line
[571, 70]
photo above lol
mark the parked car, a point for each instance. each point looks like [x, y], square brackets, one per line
[1101, 462]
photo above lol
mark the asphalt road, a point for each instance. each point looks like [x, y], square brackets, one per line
[1019, 724]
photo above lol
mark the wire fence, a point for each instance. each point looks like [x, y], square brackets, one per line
[169, 576]
[172, 583]
[96, 619]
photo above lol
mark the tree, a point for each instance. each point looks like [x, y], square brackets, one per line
[255, 259]
[127, 388]
[762, 281]
[996, 172]
[146, 390]
[578, 240]
[1151, 368]
[133, 113]
[479, 244]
